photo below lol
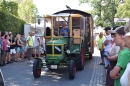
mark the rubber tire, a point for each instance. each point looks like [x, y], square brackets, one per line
[79, 65]
[90, 56]
[35, 69]
[78, 59]
[72, 69]
[1, 80]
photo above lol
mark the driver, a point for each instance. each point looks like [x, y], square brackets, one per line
[64, 31]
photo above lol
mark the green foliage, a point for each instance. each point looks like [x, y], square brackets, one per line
[104, 13]
[9, 22]
[28, 11]
[10, 7]
[123, 11]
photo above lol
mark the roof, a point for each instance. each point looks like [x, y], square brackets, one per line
[63, 15]
[74, 11]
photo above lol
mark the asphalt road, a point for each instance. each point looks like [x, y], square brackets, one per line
[20, 74]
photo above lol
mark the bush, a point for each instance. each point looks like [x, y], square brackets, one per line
[9, 22]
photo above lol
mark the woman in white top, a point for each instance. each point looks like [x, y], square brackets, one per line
[125, 78]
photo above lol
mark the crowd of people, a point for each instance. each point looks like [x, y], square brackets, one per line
[114, 49]
[16, 49]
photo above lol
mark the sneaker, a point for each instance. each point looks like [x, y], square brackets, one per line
[101, 64]
[30, 62]
[16, 61]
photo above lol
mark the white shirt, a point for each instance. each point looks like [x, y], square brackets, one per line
[108, 46]
[8, 43]
[114, 50]
[35, 38]
[124, 80]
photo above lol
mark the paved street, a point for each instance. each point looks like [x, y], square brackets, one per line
[20, 74]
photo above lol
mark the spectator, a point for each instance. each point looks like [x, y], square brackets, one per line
[123, 57]
[0, 46]
[23, 39]
[37, 44]
[12, 47]
[4, 48]
[101, 46]
[107, 44]
[29, 47]
[19, 49]
[7, 58]
[112, 57]
[125, 81]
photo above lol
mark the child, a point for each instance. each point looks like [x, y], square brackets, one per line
[123, 57]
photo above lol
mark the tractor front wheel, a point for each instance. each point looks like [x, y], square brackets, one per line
[36, 68]
[90, 56]
[72, 69]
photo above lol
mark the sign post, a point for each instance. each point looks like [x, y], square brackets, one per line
[121, 19]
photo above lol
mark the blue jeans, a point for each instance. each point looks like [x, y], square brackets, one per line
[105, 60]
[102, 54]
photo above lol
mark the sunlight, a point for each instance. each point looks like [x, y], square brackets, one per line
[44, 6]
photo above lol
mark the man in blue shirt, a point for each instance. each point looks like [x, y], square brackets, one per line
[64, 31]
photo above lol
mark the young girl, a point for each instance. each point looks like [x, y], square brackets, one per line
[7, 58]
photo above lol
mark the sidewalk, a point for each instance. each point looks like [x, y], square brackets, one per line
[99, 73]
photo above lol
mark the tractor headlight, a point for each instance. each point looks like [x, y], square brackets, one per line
[68, 51]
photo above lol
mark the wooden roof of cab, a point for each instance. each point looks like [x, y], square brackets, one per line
[72, 12]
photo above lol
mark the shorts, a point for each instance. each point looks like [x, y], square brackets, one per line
[105, 53]
[102, 53]
[12, 51]
[19, 50]
[24, 48]
[37, 49]
[8, 49]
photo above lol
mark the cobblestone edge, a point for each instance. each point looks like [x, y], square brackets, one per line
[99, 73]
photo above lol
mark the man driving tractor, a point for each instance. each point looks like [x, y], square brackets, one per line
[64, 31]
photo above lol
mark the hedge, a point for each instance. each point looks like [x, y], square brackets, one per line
[9, 22]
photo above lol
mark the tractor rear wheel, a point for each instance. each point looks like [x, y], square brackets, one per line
[80, 60]
[36, 69]
[72, 69]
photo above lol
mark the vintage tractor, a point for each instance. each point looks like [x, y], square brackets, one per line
[66, 51]
[1, 79]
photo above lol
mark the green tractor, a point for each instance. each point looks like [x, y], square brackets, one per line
[66, 50]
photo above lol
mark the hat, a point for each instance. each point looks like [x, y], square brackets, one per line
[115, 27]
[119, 30]
[127, 34]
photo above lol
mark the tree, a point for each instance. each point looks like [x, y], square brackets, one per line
[103, 13]
[123, 11]
[27, 11]
[10, 7]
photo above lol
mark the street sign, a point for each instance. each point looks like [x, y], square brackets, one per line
[121, 19]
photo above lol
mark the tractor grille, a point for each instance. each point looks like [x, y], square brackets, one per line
[57, 49]
[49, 49]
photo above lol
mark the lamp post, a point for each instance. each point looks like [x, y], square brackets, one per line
[103, 3]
